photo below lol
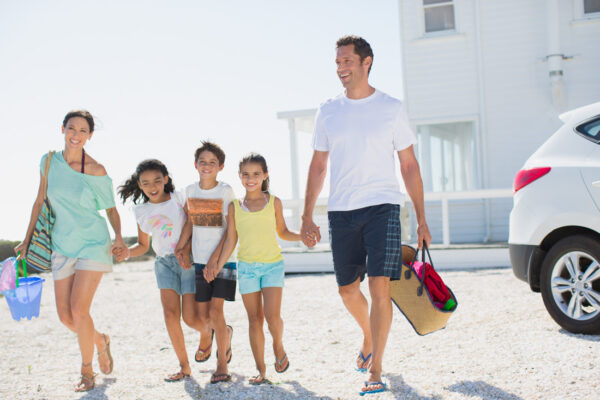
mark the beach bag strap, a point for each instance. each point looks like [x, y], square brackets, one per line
[423, 273]
[46, 170]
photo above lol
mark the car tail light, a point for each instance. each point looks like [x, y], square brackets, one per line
[525, 176]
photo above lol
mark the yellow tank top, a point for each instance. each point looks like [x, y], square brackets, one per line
[257, 234]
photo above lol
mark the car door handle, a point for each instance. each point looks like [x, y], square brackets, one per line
[596, 184]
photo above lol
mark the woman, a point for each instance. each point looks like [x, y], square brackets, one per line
[78, 186]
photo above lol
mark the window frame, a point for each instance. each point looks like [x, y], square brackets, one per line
[476, 140]
[580, 14]
[443, 32]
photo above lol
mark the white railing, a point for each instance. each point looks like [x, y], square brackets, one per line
[296, 205]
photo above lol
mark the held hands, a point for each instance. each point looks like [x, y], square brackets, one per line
[423, 235]
[183, 257]
[211, 270]
[119, 249]
[310, 232]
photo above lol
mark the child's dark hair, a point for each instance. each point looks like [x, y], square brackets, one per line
[213, 148]
[260, 160]
[131, 188]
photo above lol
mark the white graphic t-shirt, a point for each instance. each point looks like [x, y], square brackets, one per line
[163, 221]
[208, 211]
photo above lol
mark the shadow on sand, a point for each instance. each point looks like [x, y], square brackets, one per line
[99, 391]
[238, 385]
[483, 390]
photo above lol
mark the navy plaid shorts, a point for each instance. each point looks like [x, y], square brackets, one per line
[366, 241]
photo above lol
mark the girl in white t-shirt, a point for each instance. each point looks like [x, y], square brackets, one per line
[161, 215]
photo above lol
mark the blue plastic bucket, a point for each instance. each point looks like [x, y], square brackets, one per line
[24, 301]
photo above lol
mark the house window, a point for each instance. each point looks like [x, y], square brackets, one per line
[591, 6]
[439, 15]
[447, 157]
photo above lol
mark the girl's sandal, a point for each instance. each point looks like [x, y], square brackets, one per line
[203, 355]
[259, 380]
[110, 359]
[86, 383]
[176, 377]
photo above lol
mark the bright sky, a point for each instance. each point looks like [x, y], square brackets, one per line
[159, 77]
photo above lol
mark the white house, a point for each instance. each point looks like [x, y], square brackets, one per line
[485, 81]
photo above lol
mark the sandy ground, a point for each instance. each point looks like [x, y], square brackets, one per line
[500, 344]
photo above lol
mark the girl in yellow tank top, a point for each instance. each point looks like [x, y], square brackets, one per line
[255, 221]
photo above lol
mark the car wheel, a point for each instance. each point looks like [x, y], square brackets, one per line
[570, 284]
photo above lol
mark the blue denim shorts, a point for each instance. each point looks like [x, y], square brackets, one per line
[366, 240]
[252, 277]
[169, 275]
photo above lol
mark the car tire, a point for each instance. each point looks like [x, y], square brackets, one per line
[570, 284]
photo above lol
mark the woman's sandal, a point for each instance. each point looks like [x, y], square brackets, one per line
[204, 353]
[86, 383]
[279, 363]
[176, 377]
[259, 380]
[110, 359]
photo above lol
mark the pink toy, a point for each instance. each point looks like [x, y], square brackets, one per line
[8, 276]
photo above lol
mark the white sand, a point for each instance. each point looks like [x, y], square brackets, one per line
[500, 344]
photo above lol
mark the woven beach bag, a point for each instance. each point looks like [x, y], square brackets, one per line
[413, 299]
[40, 246]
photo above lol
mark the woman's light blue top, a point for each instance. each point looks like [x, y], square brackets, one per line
[79, 231]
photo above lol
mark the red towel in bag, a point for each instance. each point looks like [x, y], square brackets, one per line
[434, 284]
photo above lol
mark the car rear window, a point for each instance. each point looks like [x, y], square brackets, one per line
[590, 129]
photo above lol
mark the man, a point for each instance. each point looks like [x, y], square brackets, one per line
[360, 130]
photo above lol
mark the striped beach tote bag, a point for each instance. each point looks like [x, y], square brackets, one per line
[40, 247]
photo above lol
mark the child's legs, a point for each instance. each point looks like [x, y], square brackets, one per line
[254, 309]
[172, 313]
[217, 318]
[272, 308]
[194, 316]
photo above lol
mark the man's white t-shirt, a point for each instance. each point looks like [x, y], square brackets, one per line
[362, 137]
[163, 221]
[207, 210]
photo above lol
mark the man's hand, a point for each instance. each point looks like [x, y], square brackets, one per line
[423, 235]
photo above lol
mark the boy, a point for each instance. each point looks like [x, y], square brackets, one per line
[206, 205]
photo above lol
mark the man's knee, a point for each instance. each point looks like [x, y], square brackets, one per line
[379, 288]
[350, 291]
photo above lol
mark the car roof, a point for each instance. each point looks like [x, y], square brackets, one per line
[580, 114]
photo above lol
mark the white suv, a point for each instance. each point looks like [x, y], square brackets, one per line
[554, 238]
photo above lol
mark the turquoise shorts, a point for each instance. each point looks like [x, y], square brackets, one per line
[169, 275]
[252, 277]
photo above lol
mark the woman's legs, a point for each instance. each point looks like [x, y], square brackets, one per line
[254, 309]
[272, 306]
[62, 294]
[83, 288]
[222, 333]
[172, 313]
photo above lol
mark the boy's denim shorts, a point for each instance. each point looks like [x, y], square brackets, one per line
[169, 275]
[366, 240]
[253, 277]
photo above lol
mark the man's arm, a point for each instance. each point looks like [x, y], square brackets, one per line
[316, 176]
[411, 174]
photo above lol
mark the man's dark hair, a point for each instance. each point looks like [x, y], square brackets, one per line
[362, 48]
[213, 148]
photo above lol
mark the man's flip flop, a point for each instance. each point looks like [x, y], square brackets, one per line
[203, 352]
[369, 384]
[279, 364]
[365, 362]
[216, 378]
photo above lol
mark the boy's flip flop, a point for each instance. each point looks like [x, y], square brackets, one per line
[369, 384]
[259, 380]
[216, 378]
[176, 377]
[365, 362]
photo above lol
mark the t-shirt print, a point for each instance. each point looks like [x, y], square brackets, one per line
[206, 212]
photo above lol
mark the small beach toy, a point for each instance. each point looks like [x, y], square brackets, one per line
[8, 276]
[22, 295]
